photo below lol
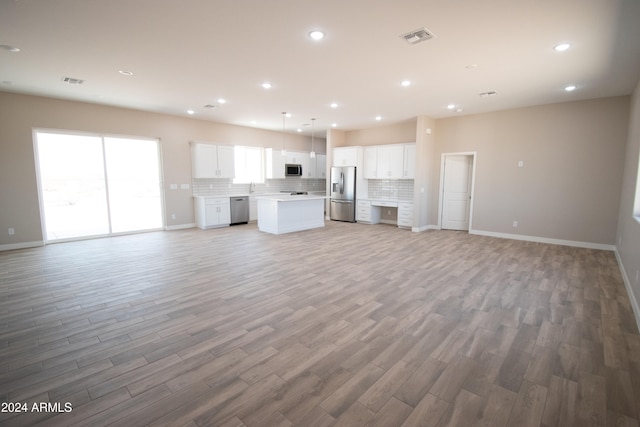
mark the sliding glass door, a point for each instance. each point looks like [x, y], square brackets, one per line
[97, 186]
[133, 182]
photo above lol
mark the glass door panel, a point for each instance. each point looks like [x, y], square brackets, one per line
[73, 188]
[133, 182]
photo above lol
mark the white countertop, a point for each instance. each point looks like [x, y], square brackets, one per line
[290, 198]
[278, 194]
[221, 196]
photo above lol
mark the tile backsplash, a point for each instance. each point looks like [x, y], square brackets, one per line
[222, 187]
[392, 189]
[385, 189]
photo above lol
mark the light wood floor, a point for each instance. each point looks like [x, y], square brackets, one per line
[348, 325]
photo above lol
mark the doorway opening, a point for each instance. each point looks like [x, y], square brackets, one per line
[94, 186]
[457, 177]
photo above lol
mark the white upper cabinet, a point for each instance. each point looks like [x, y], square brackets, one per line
[409, 161]
[226, 161]
[299, 158]
[371, 162]
[345, 156]
[321, 166]
[212, 161]
[390, 161]
[312, 168]
[384, 162]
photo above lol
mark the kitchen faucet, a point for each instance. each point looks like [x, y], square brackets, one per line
[252, 187]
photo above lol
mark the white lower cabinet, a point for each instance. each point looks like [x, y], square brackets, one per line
[405, 214]
[366, 213]
[253, 208]
[212, 212]
[370, 211]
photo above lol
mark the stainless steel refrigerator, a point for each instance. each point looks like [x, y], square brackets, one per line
[343, 193]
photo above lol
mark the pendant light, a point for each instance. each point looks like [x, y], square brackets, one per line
[313, 153]
[284, 150]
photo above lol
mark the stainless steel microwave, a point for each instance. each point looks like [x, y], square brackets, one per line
[292, 170]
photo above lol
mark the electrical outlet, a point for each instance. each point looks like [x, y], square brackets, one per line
[11, 231]
[173, 216]
[515, 224]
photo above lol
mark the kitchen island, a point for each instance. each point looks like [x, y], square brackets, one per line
[285, 213]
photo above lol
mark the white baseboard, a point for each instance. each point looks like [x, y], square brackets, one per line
[22, 245]
[537, 239]
[179, 226]
[627, 284]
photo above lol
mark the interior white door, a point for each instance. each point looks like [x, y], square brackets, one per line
[457, 192]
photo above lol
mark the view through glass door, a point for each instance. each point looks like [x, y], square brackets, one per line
[97, 186]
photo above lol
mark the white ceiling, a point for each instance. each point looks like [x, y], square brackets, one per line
[188, 53]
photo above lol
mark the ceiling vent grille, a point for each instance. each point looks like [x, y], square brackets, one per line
[418, 36]
[72, 81]
[210, 106]
[488, 94]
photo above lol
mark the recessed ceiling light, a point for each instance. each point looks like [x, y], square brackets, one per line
[125, 72]
[451, 106]
[471, 66]
[562, 47]
[406, 83]
[316, 35]
[458, 110]
[570, 88]
[221, 101]
[253, 122]
[334, 105]
[266, 85]
[8, 48]
[190, 112]
[378, 118]
[287, 114]
[334, 125]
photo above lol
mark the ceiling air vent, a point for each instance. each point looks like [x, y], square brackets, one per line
[72, 81]
[210, 106]
[488, 94]
[418, 36]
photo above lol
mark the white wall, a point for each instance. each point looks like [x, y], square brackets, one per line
[628, 233]
[569, 187]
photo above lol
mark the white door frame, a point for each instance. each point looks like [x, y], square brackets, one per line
[443, 157]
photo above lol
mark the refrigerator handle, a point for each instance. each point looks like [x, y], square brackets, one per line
[341, 183]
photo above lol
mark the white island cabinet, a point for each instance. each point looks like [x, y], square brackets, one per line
[279, 214]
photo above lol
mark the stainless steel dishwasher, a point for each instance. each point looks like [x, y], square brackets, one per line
[239, 210]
